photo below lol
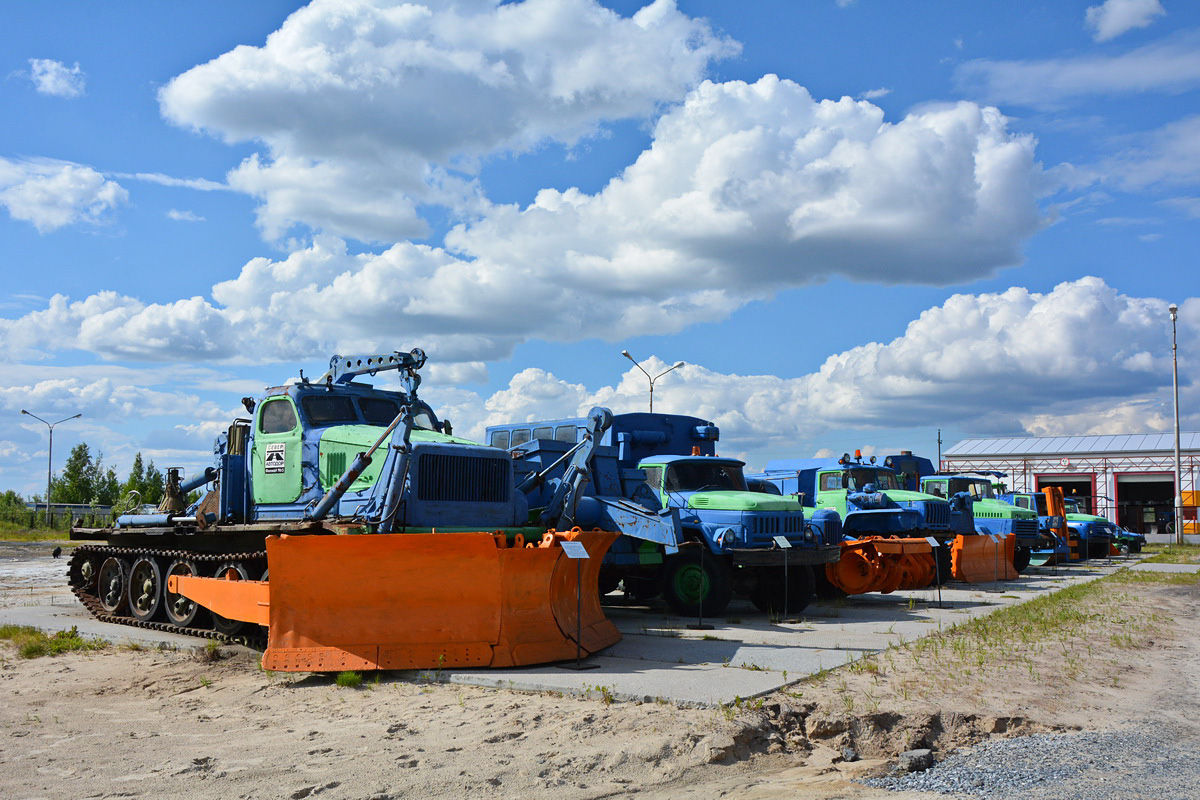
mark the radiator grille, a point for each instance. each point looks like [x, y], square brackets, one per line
[335, 466]
[463, 479]
[937, 514]
[775, 524]
[1025, 527]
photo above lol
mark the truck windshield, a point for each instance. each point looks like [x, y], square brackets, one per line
[979, 489]
[694, 476]
[856, 478]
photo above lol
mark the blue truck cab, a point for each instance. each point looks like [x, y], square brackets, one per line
[729, 539]
[867, 496]
[992, 513]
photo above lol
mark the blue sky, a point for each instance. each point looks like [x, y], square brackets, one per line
[856, 222]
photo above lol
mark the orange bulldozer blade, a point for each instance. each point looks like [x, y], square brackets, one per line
[418, 600]
[882, 565]
[975, 558]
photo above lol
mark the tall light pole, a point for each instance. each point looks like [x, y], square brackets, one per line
[1174, 309]
[50, 456]
[676, 365]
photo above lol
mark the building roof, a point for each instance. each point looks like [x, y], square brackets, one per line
[1066, 445]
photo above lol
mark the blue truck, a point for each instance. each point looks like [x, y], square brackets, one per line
[994, 512]
[871, 502]
[868, 496]
[730, 537]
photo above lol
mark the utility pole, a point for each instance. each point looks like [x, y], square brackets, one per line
[676, 365]
[50, 454]
[1178, 468]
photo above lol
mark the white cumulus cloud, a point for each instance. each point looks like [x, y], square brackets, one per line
[1082, 358]
[1115, 17]
[368, 107]
[53, 194]
[746, 190]
[56, 78]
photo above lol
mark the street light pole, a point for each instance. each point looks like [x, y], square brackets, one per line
[1178, 467]
[50, 454]
[676, 365]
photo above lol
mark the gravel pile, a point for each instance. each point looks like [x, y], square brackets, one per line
[1146, 763]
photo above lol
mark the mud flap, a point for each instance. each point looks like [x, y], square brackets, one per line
[419, 601]
[976, 558]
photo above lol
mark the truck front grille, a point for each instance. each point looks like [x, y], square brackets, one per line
[463, 479]
[1025, 527]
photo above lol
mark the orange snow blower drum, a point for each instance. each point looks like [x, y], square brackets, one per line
[418, 601]
[882, 565]
[975, 558]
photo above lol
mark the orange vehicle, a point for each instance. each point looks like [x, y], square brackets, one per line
[349, 528]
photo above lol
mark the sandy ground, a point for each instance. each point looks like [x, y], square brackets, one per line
[134, 723]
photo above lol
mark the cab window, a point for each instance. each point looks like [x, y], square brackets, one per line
[936, 488]
[831, 480]
[543, 433]
[653, 477]
[277, 416]
[499, 439]
[520, 437]
[565, 433]
[328, 409]
[378, 410]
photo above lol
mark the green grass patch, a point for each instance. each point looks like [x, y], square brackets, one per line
[12, 532]
[1075, 624]
[1172, 553]
[349, 679]
[33, 643]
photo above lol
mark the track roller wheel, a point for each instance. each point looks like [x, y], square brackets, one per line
[180, 610]
[229, 571]
[111, 582]
[695, 583]
[81, 572]
[145, 589]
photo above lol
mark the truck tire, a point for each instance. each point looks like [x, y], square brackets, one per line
[695, 583]
[768, 595]
[1021, 556]
[825, 590]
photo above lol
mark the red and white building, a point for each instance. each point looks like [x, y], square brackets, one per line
[1128, 478]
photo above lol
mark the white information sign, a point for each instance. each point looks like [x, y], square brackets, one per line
[574, 549]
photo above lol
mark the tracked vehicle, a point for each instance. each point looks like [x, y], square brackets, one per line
[345, 527]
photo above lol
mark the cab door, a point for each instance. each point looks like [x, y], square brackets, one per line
[275, 458]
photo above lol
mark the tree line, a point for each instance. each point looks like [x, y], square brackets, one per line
[86, 480]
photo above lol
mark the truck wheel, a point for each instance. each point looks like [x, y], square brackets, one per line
[768, 595]
[825, 590]
[694, 583]
[1021, 556]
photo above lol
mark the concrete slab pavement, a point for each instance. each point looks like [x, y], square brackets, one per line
[744, 655]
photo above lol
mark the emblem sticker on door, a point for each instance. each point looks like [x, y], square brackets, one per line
[275, 460]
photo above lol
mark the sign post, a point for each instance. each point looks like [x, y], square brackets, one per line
[783, 544]
[937, 570]
[577, 552]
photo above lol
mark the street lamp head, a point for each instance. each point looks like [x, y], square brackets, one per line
[626, 354]
[1173, 309]
[678, 364]
[23, 411]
